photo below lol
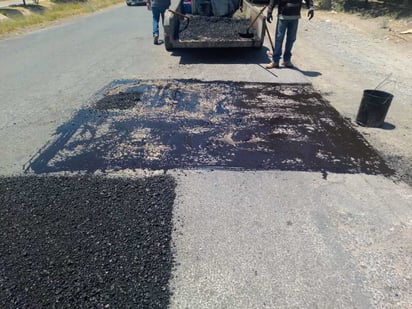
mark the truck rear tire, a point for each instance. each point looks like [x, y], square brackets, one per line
[168, 45]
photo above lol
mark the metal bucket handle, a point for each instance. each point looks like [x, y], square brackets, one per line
[385, 82]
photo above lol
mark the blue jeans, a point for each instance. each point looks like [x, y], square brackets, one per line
[157, 12]
[290, 28]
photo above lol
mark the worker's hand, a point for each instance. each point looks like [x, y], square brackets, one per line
[269, 17]
[311, 13]
[149, 5]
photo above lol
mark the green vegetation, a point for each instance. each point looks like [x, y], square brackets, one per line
[18, 18]
[372, 8]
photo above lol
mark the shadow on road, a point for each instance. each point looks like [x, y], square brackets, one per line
[34, 8]
[11, 13]
[308, 73]
[222, 55]
[388, 126]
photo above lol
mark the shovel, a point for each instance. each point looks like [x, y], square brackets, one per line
[178, 14]
[183, 16]
[248, 35]
[270, 37]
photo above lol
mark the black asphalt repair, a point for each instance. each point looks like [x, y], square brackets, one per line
[189, 124]
[85, 242]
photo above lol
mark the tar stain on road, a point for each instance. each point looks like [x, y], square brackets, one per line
[85, 242]
[167, 124]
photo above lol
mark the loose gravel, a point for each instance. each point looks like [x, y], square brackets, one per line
[85, 242]
[214, 28]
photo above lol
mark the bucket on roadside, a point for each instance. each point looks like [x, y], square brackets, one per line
[373, 108]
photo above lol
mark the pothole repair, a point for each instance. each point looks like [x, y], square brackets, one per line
[168, 124]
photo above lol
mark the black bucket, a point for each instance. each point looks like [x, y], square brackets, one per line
[373, 108]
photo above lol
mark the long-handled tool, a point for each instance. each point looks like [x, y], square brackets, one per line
[181, 15]
[251, 35]
[270, 38]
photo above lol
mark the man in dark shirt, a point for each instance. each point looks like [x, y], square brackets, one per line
[287, 24]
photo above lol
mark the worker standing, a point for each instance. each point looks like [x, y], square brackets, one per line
[225, 7]
[287, 24]
[158, 8]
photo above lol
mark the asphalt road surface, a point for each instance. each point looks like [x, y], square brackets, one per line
[135, 177]
[5, 3]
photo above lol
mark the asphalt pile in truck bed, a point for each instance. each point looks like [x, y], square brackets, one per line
[214, 28]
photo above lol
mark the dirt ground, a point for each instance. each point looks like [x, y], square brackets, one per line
[343, 55]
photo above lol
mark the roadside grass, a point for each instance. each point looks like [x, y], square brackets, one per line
[39, 14]
[375, 8]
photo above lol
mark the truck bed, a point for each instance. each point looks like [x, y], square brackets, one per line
[213, 32]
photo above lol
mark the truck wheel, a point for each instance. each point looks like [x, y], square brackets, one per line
[168, 45]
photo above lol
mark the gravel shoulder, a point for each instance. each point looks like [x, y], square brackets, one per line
[344, 54]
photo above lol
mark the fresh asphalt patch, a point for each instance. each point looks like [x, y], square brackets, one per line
[85, 242]
[96, 241]
[186, 124]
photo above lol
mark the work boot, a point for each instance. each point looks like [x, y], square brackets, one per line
[156, 40]
[288, 64]
[272, 65]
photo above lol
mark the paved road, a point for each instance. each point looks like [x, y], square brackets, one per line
[5, 3]
[275, 236]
